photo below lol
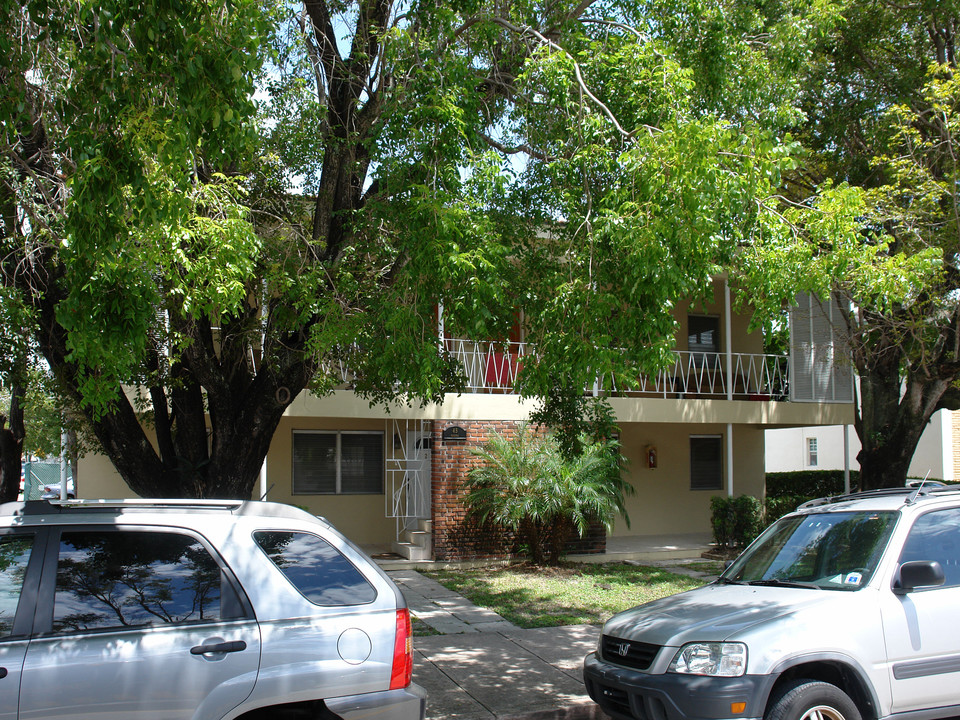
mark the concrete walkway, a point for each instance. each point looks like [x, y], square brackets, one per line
[482, 667]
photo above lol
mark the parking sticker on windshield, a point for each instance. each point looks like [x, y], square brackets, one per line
[853, 578]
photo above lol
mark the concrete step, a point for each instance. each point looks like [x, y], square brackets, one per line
[419, 538]
[411, 551]
[426, 525]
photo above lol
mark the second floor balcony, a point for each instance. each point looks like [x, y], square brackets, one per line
[493, 368]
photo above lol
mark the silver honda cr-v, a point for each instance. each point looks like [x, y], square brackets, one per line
[848, 609]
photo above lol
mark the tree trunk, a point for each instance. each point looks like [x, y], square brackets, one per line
[891, 422]
[559, 532]
[11, 446]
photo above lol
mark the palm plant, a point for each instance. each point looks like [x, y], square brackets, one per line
[527, 485]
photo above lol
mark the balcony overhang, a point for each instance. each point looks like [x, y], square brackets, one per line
[478, 406]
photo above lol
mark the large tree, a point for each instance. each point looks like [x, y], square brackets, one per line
[188, 260]
[874, 211]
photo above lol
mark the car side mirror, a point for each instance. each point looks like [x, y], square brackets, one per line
[918, 574]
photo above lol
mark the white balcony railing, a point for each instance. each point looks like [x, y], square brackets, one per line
[493, 367]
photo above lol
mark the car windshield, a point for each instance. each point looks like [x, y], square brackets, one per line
[831, 550]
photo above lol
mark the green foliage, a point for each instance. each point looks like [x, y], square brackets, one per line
[735, 521]
[226, 203]
[785, 491]
[871, 214]
[43, 416]
[526, 484]
[809, 483]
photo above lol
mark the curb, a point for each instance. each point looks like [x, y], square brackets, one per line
[587, 710]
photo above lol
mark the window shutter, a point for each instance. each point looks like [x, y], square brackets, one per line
[706, 462]
[822, 370]
[361, 463]
[314, 463]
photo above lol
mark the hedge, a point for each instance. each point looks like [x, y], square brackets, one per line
[809, 483]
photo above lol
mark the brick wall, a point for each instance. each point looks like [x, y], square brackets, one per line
[457, 536]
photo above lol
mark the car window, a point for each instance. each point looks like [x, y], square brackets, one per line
[14, 556]
[936, 536]
[133, 578]
[831, 550]
[316, 568]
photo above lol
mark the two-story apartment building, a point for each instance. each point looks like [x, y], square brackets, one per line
[690, 432]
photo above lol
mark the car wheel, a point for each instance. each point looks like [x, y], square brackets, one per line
[812, 700]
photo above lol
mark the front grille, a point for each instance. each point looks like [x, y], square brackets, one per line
[629, 653]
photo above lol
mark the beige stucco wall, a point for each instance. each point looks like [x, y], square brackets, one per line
[664, 502]
[743, 341]
[362, 518]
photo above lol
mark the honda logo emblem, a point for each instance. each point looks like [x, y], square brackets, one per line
[623, 649]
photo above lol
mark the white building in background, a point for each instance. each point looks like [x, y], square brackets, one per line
[822, 448]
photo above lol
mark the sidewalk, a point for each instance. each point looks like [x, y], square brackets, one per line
[482, 667]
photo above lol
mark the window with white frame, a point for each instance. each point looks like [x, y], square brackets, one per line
[811, 452]
[337, 462]
[706, 462]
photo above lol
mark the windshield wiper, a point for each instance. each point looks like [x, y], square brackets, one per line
[727, 581]
[785, 583]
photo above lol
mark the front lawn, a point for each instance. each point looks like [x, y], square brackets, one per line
[536, 596]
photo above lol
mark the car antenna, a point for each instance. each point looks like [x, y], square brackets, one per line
[913, 496]
[264, 496]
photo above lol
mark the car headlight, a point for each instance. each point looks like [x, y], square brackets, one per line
[713, 659]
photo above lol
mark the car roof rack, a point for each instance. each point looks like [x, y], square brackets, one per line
[45, 507]
[234, 507]
[909, 493]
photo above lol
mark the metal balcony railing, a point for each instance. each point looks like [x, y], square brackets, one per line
[493, 368]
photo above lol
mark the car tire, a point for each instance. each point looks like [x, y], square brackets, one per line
[812, 700]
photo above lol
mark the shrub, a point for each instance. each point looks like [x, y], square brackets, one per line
[809, 483]
[527, 485]
[735, 521]
[788, 490]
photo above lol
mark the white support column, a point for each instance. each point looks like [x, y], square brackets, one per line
[440, 327]
[729, 459]
[946, 444]
[846, 459]
[63, 464]
[728, 331]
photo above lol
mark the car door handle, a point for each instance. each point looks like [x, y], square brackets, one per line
[223, 647]
[3, 673]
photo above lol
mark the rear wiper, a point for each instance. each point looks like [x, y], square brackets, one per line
[785, 583]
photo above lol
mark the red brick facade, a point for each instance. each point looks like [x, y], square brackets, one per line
[456, 536]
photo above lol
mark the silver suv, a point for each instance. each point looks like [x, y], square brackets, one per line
[195, 609]
[847, 609]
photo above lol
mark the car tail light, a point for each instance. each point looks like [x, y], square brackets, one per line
[402, 673]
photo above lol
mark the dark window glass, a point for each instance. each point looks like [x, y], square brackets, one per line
[703, 334]
[316, 568]
[361, 463]
[706, 463]
[14, 556]
[936, 536]
[348, 463]
[314, 463]
[131, 579]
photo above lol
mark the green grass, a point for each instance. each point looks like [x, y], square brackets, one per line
[711, 567]
[531, 597]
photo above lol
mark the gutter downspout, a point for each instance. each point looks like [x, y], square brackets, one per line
[728, 331]
[846, 459]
